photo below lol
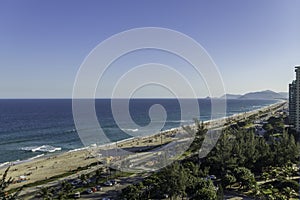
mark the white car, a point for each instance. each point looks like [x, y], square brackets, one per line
[77, 195]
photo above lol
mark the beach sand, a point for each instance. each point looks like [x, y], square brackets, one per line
[46, 167]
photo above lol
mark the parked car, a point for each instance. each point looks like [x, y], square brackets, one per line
[212, 177]
[99, 188]
[107, 183]
[84, 182]
[89, 180]
[89, 191]
[94, 189]
[76, 182]
[114, 182]
[77, 195]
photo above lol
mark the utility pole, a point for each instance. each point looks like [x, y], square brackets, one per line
[160, 137]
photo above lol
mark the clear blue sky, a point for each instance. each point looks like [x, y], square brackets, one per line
[255, 43]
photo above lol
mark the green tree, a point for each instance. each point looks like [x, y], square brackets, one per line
[152, 184]
[192, 168]
[98, 175]
[220, 193]
[199, 134]
[175, 180]
[289, 184]
[205, 190]
[131, 192]
[265, 157]
[268, 127]
[288, 192]
[83, 177]
[205, 194]
[46, 193]
[285, 150]
[4, 183]
[245, 177]
[66, 190]
[221, 158]
[228, 180]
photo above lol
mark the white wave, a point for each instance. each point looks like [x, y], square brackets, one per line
[130, 130]
[93, 145]
[79, 149]
[43, 148]
[70, 131]
[35, 157]
[256, 106]
[4, 164]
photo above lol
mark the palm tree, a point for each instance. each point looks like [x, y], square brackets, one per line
[288, 192]
[199, 134]
[66, 189]
[4, 183]
[45, 193]
[98, 175]
[152, 184]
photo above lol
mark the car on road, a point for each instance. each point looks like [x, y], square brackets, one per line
[77, 195]
[76, 182]
[89, 191]
[99, 188]
[114, 182]
[108, 183]
[94, 189]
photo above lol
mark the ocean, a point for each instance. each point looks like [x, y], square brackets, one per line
[34, 127]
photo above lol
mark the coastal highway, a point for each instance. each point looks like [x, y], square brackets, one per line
[28, 193]
[111, 192]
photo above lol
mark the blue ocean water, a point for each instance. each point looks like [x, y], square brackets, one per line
[26, 124]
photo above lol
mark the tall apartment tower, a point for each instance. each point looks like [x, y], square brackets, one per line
[294, 101]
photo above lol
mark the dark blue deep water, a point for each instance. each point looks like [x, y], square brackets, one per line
[27, 124]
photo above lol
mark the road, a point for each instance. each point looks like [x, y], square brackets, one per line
[32, 190]
[113, 191]
[232, 196]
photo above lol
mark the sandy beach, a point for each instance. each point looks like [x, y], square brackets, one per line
[45, 167]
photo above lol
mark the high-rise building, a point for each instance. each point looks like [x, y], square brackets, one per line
[294, 101]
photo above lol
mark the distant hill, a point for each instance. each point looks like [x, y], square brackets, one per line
[267, 94]
[284, 94]
[231, 96]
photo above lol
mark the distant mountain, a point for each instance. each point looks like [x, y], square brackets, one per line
[267, 94]
[284, 94]
[231, 96]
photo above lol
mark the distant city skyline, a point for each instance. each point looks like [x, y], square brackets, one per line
[255, 44]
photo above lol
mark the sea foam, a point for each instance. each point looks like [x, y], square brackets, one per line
[43, 148]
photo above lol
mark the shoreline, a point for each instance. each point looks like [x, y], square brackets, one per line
[45, 155]
[47, 166]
